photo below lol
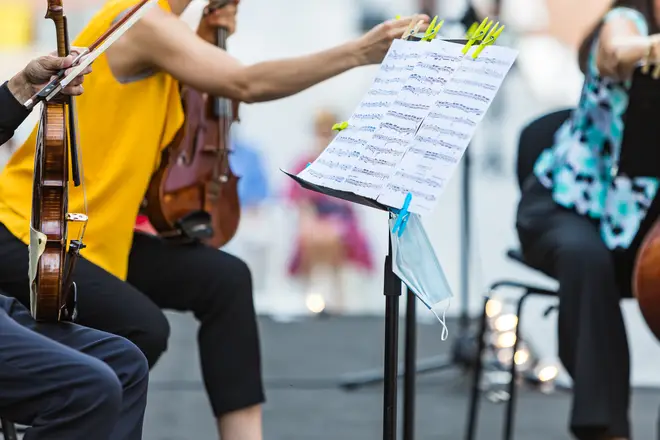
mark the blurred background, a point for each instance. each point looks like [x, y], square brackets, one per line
[314, 305]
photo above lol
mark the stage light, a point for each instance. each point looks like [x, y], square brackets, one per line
[505, 323]
[493, 308]
[505, 340]
[521, 357]
[547, 373]
[315, 303]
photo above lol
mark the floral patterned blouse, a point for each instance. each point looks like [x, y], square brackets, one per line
[581, 168]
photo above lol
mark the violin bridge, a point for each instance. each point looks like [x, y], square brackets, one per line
[81, 219]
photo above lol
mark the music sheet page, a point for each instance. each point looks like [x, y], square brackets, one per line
[437, 148]
[388, 144]
[331, 167]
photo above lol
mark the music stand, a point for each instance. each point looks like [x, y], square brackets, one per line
[463, 350]
[464, 341]
[392, 292]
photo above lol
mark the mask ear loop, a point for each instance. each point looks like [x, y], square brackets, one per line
[445, 330]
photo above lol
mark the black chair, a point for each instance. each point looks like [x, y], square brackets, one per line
[534, 138]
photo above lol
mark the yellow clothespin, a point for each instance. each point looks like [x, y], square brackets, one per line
[429, 30]
[433, 29]
[408, 32]
[471, 30]
[656, 72]
[478, 34]
[339, 126]
[489, 40]
[412, 29]
[436, 30]
[398, 17]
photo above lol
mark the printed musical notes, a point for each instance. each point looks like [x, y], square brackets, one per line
[329, 169]
[433, 155]
[411, 129]
[400, 123]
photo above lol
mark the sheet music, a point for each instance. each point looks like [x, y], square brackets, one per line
[330, 168]
[388, 144]
[438, 146]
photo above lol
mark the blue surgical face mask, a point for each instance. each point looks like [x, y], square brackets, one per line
[415, 263]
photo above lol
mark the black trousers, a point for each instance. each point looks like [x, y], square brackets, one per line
[592, 279]
[212, 284]
[69, 382]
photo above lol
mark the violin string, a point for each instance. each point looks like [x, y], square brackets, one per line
[81, 168]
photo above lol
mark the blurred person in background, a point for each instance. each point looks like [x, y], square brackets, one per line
[329, 233]
[253, 239]
[581, 221]
[130, 112]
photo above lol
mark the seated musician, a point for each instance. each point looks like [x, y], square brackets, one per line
[578, 219]
[130, 111]
[65, 381]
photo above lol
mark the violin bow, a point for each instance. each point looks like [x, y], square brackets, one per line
[87, 57]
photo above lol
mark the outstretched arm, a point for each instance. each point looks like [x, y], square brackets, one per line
[165, 42]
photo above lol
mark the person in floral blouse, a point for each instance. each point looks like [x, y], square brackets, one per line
[579, 220]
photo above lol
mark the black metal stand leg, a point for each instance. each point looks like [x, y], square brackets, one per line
[392, 291]
[473, 415]
[410, 367]
[511, 404]
[8, 430]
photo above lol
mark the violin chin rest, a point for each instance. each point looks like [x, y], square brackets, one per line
[196, 225]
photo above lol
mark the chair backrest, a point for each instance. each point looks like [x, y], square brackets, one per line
[536, 137]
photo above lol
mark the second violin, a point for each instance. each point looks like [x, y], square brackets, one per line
[194, 194]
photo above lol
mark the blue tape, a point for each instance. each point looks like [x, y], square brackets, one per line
[308, 164]
[402, 216]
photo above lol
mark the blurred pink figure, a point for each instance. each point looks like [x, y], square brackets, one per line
[329, 233]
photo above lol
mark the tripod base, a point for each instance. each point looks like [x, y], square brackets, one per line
[463, 356]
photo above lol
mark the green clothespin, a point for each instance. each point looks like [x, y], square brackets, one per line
[429, 30]
[436, 30]
[489, 40]
[433, 29]
[339, 126]
[471, 30]
[398, 17]
[478, 34]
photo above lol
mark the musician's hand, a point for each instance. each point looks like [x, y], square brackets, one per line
[40, 71]
[217, 17]
[375, 43]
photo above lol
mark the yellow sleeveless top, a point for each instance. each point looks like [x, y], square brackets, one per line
[122, 129]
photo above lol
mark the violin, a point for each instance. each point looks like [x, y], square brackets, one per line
[52, 291]
[53, 256]
[193, 196]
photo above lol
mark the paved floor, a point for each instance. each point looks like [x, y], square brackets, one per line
[302, 362]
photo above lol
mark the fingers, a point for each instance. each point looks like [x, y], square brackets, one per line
[396, 28]
[86, 71]
[81, 77]
[73, 90]
[215, 13]
[52, 63]
[77, 50]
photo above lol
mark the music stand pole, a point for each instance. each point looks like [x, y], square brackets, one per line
[392, 292]
[409, 369]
